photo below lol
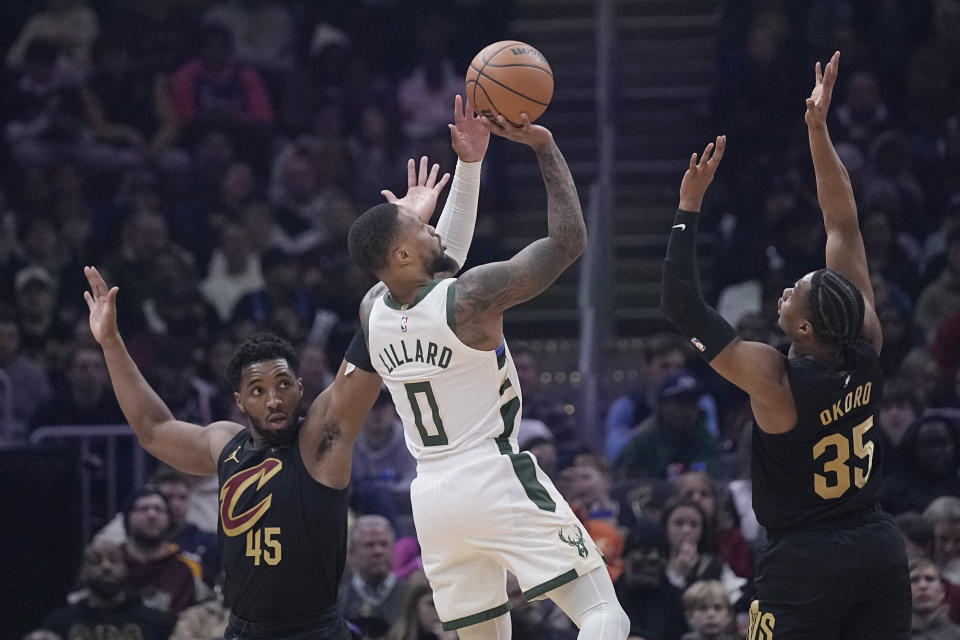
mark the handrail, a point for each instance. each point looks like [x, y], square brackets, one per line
[596, 282]
[85, 435]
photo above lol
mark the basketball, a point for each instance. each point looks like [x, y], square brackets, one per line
[509, 78]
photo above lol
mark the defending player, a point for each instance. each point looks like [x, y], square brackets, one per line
[480, 507]
[283, 479]
[834, 566]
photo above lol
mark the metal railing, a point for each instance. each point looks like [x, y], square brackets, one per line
[86, 436]
[595, 299]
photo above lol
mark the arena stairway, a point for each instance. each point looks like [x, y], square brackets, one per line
[665, 60]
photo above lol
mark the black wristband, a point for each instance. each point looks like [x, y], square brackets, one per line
[357, 353]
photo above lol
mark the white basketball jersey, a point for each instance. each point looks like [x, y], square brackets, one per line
[451, 397]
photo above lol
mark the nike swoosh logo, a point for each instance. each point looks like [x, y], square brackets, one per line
[682, 227]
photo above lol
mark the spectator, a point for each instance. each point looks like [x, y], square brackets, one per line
[163, 577]
[699, 487]
[372, 590]
[31, 391]
[233, 272]
[71, 24]
[85, 397]
[382, 466]
[863, 114]
[215, 92]
[674, 439]
[651, 602]
[899, 409]
[665, 356]
[943, 515]
[930, 621]
[941, 297]
[193, 542]
[538, 404]
[929, 451]
[106, 609]
[427, 93]
[418, 616]
[203, 621]
[691, 557]
[43, 334]
[535, 436]
[315, 373]
[42, 634]
[262, 30]
[917, 534]
[708, 611]
[283, 287]
[130, 108]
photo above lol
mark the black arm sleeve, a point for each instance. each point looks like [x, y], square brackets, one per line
[682, 300]
[358, 354]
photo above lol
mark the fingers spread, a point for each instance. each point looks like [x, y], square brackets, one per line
[422, 177]
[432, 178]
[411, 173]
[443, 182]
[693, 161]
[89, 299]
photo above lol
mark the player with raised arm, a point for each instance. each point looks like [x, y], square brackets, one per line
[481, 508]
[283, 478]
[834, 565]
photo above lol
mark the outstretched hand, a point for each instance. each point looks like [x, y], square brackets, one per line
[532, 135]
[467, 134]
[102, 303]
[819, 101]
[423, 189]
[700, 174]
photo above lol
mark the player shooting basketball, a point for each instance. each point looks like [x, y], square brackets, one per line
[835, 566]
[284, 478]
[480, 507]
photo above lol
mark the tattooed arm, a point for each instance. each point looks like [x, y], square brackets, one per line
[483, 293]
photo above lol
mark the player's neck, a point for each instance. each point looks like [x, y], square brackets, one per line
[405, 291]
[826, 355]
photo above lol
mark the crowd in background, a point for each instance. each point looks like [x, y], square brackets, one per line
[209, 157]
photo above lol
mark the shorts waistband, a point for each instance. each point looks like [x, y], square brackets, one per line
[329, 617]
[863, 515]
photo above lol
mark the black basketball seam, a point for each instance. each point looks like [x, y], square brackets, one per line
[494, 80]
[528, 66]
[490, 100]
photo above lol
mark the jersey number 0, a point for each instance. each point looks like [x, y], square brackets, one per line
[835, 479]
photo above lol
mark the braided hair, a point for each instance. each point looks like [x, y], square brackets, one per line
[836, 308]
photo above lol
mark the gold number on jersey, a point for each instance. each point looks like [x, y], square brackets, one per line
[833, 486]
[256, 551]
[413, 390]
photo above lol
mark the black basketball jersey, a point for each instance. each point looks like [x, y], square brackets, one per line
[827, 465]
[283, 535]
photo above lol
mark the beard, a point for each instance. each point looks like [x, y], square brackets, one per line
[106, 589]
[147, 540]
[442, 262]
[278, 437]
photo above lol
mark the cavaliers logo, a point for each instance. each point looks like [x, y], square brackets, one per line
[233, 488]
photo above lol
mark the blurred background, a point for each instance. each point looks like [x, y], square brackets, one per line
[209, 158]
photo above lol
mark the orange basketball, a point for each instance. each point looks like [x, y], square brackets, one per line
[509, 78]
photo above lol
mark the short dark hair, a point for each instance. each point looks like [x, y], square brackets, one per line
[371, 236]
[143, 492]
[647, 534]
[169, 475]
[258, 348]
[916, 529]
[835, 307]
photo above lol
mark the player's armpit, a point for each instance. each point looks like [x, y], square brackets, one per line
[761, 371]
[189, 447]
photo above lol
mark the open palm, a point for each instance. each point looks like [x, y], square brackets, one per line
[102, 302]
[423, 189]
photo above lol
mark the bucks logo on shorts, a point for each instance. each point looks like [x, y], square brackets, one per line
[575, 540]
